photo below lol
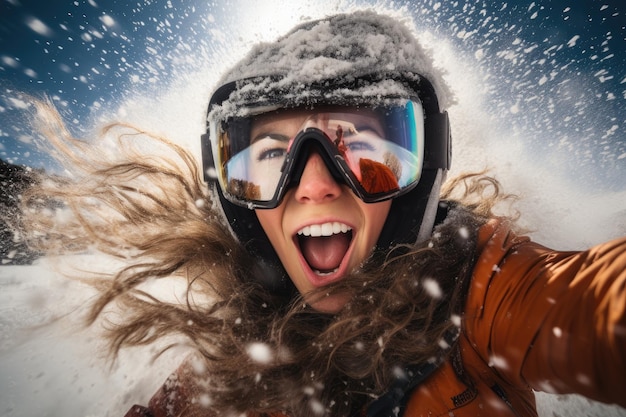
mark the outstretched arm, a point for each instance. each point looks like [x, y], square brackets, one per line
[553, 321]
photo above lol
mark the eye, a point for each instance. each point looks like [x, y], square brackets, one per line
[360, 146]
[269, 148]
[271, 153]
[362, 139]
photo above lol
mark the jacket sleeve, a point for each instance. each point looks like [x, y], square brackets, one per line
[552, 321]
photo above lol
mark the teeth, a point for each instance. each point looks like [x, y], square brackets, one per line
[324, 229]
[324, 274]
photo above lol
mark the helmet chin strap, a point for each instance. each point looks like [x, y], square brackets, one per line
[412, 215]
[430, 212]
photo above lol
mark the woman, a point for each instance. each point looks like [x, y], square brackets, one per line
[335, 295]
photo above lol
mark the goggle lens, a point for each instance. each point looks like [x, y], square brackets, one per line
[378, 151]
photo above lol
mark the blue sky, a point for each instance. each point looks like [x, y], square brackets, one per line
[85, 55]
[556, 69]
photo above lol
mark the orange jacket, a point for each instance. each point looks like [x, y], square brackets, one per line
[535, 319]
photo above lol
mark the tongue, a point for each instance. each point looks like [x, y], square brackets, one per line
[325, 253]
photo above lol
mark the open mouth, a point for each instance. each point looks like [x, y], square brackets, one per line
[324, 246]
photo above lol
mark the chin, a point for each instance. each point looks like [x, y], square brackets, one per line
[329, 304]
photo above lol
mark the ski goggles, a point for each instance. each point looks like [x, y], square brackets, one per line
[377, 151]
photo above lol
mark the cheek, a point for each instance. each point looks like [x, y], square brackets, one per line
[271, 222]
[376, 216]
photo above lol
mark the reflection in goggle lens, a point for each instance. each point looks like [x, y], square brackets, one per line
[380, 151]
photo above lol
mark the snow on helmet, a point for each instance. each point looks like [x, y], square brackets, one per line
[357, 59]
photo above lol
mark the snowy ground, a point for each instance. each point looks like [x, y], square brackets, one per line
[50, 365]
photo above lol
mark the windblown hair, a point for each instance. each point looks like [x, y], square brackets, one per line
[143, 202]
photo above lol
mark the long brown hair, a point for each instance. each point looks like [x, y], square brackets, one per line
[154, 213]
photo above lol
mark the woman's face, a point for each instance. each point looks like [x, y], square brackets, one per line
[321, 230]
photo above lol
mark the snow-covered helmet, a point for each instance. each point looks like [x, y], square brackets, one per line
[361, 59]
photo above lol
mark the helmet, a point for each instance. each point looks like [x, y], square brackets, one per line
[357, 59]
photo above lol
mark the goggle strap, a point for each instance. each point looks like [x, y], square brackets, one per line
[438, 147]
[208, 163]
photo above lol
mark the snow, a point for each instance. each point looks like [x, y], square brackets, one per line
[341, 50]
[432, 288]
[50, 366]
[39, 27]
[260, 352]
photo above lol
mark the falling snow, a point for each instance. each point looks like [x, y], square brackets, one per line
[545, 110]
[38, 26]
[260, 352]
[432, 288]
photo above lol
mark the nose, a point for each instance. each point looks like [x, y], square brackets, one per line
[317, 184]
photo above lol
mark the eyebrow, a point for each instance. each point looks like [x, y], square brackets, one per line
[276, 136]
